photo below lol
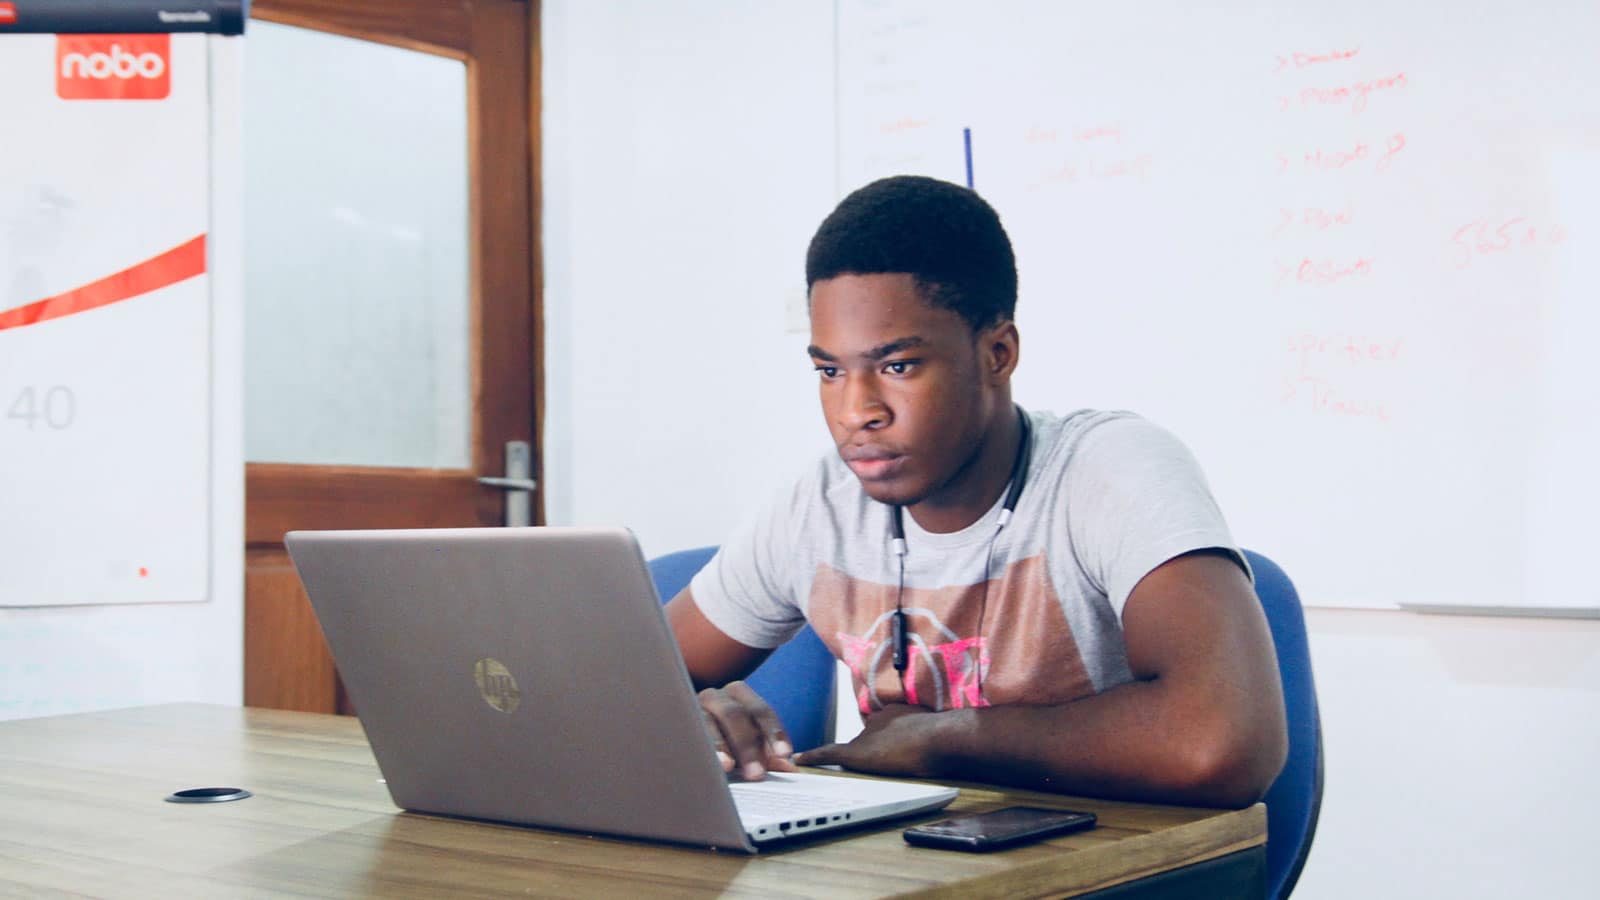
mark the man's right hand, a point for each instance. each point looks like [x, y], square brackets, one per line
[747, 734]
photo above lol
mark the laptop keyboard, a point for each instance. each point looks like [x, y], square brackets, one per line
[754, 801]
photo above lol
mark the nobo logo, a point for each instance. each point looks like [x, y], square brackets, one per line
[495, 683]
[113, 66]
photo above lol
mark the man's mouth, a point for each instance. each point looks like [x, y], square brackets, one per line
[871, 463]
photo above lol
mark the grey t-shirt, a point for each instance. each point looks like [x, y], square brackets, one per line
[1109, 497]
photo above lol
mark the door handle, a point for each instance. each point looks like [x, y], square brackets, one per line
[518, 483]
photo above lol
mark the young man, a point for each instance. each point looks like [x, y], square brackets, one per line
[1069, 612]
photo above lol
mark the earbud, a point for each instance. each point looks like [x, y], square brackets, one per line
[898, 628]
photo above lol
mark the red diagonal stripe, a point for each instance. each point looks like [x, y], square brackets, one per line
[181, 262]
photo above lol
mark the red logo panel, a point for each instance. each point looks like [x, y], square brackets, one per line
[113, 66]
[8, 13]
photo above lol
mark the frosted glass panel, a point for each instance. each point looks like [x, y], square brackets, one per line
[356, 265]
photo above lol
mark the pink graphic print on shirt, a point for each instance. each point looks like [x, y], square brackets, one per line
[1022, 652]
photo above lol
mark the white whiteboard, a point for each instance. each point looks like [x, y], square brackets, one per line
[104, 386]
[1346, 252]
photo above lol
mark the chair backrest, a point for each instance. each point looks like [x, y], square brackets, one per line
[797, 679]
[1295, 799]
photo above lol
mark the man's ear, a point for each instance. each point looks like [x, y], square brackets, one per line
[999, 347]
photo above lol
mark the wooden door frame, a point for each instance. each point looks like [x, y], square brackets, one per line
[278, 494]
[290, 667]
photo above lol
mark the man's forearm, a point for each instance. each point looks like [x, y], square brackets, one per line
[1138, 741]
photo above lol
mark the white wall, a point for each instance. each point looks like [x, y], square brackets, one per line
[1460, 755]
[688, 156]
[689, 153]
[74, 659]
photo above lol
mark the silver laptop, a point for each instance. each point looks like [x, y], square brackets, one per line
[528, 675]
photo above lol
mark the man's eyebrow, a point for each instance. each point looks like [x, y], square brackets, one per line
[882, 351]
[898, 345]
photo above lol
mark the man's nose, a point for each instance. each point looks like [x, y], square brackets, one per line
[863, 405]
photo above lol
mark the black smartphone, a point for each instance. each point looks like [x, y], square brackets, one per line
[998, 828]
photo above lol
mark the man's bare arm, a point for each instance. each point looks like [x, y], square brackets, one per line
[747, 734]
[1202, 723]
[713, 658]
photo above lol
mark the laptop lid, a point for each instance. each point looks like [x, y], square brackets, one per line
[528, 675]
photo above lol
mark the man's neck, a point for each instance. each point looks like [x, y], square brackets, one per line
[974, 490]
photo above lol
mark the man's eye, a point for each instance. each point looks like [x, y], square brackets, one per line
[827, 371]
[899, 367]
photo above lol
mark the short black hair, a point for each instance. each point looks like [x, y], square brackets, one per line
[943, 235]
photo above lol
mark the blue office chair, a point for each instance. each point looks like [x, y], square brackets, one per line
[1295, 799]
[797, 679]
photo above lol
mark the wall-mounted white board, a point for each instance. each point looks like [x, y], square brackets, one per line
[105, 319]
[1345, 252]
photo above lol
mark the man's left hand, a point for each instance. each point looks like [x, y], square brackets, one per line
[895, 740]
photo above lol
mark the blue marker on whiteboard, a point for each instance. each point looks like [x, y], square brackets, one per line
[966, 138]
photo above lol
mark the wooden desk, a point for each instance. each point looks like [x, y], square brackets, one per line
[82, 811]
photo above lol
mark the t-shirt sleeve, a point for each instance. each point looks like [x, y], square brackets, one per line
[1137, 498]
[747, 589]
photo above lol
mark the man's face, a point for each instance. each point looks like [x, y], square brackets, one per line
[903, 389]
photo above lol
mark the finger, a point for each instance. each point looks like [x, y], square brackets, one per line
[826, 755]
[742, 737]
[778, 743]
[714, 735]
